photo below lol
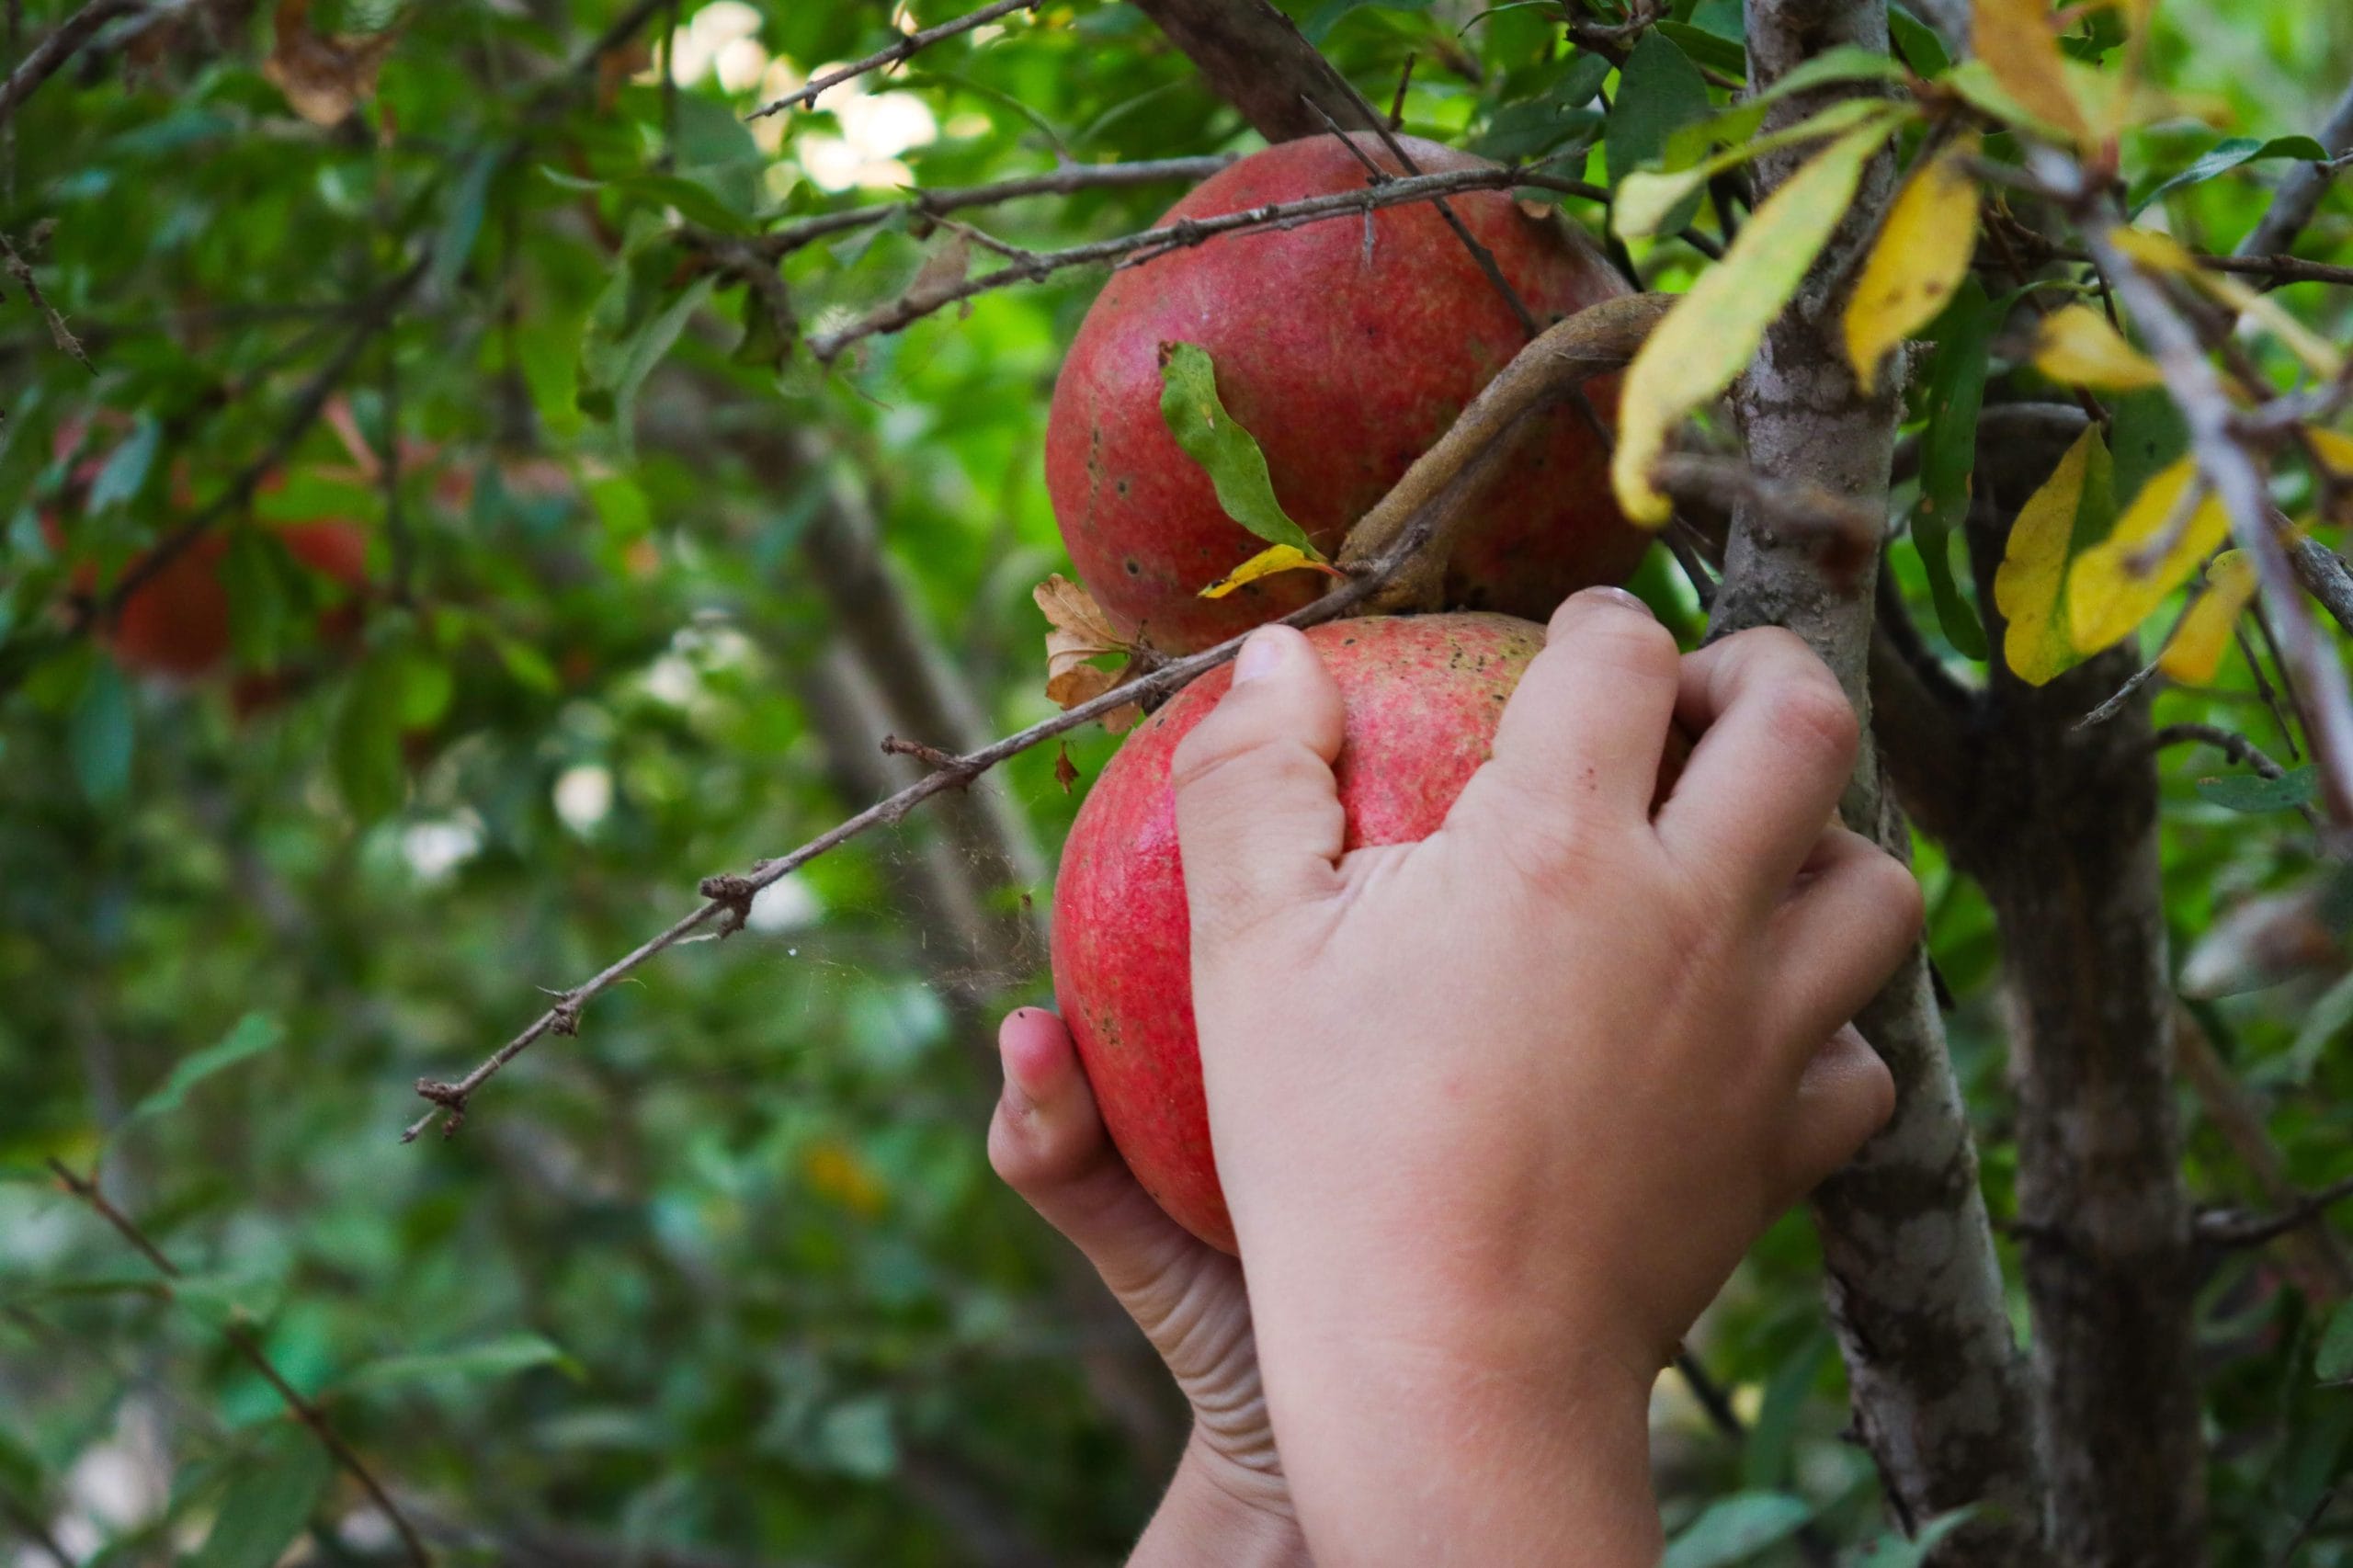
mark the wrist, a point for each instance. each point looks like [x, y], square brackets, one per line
[1220, 1510]
[1420, 1458]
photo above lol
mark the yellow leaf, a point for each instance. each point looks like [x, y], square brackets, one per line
[2335, 450]
[2019, 41]
[1266, 563]
[1920, 258]
[2196, 649]
[2118, 582]
[2075, 344]
[2034, 569]
[1712, 333]
[1079, 634]
[833, 1169]
[2162, 253]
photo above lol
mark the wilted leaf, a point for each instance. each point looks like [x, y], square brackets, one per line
[2019, 41]
[2028, 585]
[1065, 770]
[942, 272]
[2118, 582]
[1225, 452]
[324, 76]
[1266, 563]
[1079, 632]
[1713, 331]
[1920, 258]
[2075, 344]
[2196, 649]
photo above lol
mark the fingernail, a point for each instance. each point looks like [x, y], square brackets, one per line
[1617, 597]
[1257, 656]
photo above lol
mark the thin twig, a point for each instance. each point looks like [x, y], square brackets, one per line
[2237, 479]
[1411, 522]
[1038, 265]
[2229, 1228]
[301, 1408]
[58, 333]
[60, 46]
[778, 243]
[2235, 746]
[906, 46]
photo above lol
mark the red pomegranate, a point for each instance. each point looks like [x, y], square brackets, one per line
[1422, 694]
[1346, 355]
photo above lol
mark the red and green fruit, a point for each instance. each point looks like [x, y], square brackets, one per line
[1423, 696]
[1346, 353]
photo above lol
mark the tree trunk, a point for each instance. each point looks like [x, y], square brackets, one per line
[1914, 1288]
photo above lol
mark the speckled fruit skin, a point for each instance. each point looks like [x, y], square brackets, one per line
[1344, 372]
[1423, 694]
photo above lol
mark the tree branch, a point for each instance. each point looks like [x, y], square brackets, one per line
[906, 46]
[2299, 195]
[2230, 1229]
[244, 1343]
[1031, 267]
[728, 897]
[62, 43]
[2325, 576]
[1252, 56]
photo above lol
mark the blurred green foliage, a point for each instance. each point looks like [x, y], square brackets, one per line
[728, 1273]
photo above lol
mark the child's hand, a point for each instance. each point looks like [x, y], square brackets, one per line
[1496, 1113]
[1229, 1501]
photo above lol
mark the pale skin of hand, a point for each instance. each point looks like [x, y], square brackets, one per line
[1479, 1210]
[1496, 1113]
[1228, 1502]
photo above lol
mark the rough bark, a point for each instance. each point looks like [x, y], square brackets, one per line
[1916, 1293]
[2063, 835]
[1254, 58]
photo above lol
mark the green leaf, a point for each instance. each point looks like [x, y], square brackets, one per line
[492, 1358]
[1764, 1459]
[1659, 92]
[1737, 1528]
[2229, 154]
[1329, 14]
[453, 246]
[856, 1436]
[366, 744]
[1893, 1550]
[1917, 42]
[1645, 197]
[253, 573]
[100, 735]
[1955, 388]
[1710, 49]
[621, 348]
[2146, 437]
[267, 1505]
[248, 1036]
[125, 474]
[1225, 452]
[1554, 117]
[2253, 793]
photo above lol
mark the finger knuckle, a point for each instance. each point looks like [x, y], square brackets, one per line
[1811, 714]
[1898, 892]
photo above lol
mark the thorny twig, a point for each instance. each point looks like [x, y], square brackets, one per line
[247, 1346]
[906, 46]
[62, 43]
[58, 333]
[1038, 265]
[1419, 504]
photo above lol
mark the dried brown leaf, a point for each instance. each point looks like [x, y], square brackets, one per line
[1065, 770]
[1080, 633]
[324, 76]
